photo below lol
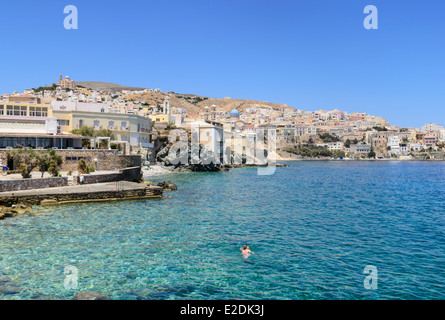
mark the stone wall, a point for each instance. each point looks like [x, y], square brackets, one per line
[27, 184]
[133, 174]
[100, 178]
[108, 160]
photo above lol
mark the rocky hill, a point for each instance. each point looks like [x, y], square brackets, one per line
[105, 86]
[194, 104]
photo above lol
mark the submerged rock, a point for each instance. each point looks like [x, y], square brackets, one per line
[281, 165]
[8, 286]
[168, 186]
[131, 275]
[90, 295]
[14, 210]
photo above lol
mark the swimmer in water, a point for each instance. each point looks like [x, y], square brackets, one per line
[245, 251]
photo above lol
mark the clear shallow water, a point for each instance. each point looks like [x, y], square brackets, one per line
[313, 227]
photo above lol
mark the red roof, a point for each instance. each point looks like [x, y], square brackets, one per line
[25, 95]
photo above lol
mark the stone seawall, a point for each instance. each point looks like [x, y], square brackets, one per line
[107, 160]
[28, 184]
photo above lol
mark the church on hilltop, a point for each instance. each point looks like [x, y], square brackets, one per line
[66, 83]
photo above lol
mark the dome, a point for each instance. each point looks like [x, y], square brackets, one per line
[234, 112]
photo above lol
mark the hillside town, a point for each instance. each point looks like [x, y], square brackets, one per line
[69, 117]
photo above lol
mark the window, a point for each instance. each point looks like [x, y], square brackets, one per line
[63, 122]
[81, 123]
[76, 158]
[38, 112]
[16, 110]
[110, 125]
[123, 126]
[96, 124]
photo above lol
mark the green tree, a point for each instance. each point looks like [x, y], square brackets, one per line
[338, 154]
[26, 158]
[326, 137]
[309, 150]
[103, 133]
[53, 170]
[83, 166]
[86, 131]
[45, 158]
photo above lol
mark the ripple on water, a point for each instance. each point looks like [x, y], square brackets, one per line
[313, 228]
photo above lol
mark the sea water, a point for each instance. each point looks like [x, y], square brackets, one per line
[313, 228]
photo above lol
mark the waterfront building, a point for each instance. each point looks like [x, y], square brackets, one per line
[34, 132]
[359, 149]
[429, 141]
[332, 146]
[379, 141]
[134, 129]
[415, 147]
[209, 134]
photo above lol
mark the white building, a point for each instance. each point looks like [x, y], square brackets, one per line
[335, 145]
[80, 106]
[431, 127]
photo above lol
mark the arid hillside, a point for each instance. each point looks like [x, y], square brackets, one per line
[105, 86]
[195, 104]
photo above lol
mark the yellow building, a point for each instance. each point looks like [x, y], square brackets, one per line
[126, 127]
[379, 120]
[25, 106]
[159, 118]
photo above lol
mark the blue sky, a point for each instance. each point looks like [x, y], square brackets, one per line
[309, 54]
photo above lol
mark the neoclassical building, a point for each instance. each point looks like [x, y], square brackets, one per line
[66, 83]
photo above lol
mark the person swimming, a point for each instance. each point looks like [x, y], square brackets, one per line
[245, 251]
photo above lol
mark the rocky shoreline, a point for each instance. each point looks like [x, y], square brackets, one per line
[16, 210]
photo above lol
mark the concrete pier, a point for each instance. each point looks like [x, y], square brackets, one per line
[109, 191]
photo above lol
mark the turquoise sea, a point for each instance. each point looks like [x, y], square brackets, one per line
[313, 227]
